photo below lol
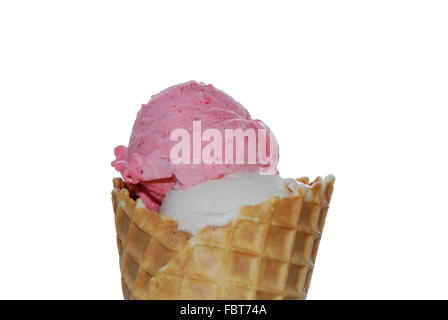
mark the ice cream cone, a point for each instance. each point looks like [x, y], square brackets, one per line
[266, 252]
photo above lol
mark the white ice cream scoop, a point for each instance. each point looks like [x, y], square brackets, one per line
[216, 202]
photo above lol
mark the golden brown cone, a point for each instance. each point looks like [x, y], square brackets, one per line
[266, 252]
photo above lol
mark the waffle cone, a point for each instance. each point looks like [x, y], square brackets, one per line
[266, 252]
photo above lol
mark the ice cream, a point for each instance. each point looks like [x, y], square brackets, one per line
[216, 202]
[146, 165]
[192, 224]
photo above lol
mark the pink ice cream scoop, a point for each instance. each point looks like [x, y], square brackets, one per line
[147, 166]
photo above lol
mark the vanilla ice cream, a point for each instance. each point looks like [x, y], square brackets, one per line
[216, 202]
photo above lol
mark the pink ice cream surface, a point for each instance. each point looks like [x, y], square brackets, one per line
[145, 165]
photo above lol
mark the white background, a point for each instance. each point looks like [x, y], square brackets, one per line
[358, 89]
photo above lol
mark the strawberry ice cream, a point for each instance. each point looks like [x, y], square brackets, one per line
[146, 165]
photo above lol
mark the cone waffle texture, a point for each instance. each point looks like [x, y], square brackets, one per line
[266, 252]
